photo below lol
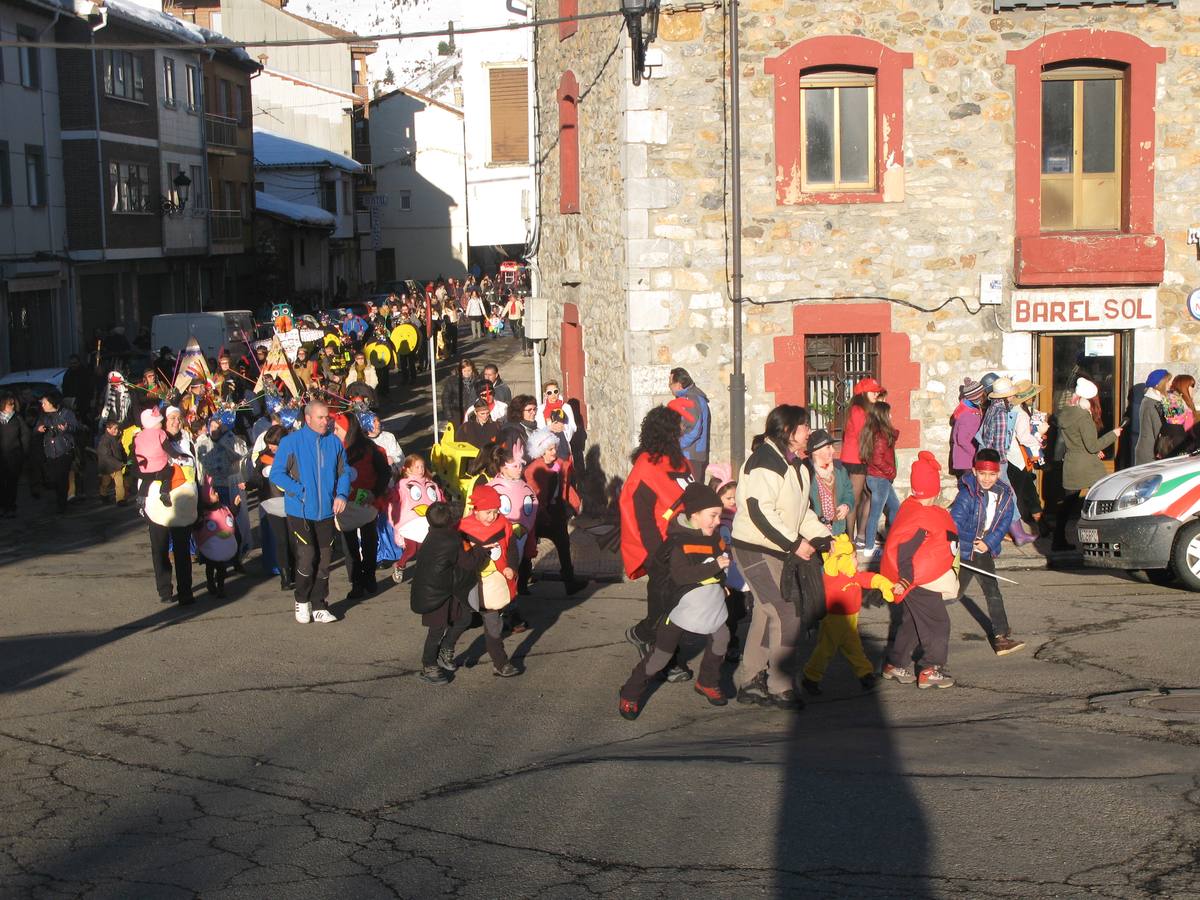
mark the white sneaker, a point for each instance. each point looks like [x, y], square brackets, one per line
[324, 616]
[304, 613]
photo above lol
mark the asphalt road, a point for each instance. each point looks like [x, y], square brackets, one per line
[225, 751]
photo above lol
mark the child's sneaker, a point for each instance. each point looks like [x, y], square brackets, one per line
[934, 677]
[433, 675]
[898, 673]
[811, 687]
[712, 694]
[628, 709]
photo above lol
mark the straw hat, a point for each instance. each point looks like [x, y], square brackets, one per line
[1025, 390]
[1002, 388]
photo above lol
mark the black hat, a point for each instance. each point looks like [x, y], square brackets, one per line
[697, 497]
[819, 438]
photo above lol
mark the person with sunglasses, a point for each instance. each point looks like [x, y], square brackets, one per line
[497, 409]
[552, 399]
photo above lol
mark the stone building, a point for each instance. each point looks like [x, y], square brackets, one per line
[932, 190]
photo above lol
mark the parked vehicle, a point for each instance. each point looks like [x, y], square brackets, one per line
[230, 329]
[1146, 517]
[30, 385]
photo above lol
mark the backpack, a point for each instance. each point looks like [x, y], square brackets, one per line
[1170, 436]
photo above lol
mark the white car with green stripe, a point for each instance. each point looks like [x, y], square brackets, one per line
[1147, 517]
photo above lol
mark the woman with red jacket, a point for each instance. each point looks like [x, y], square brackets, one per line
[877, 445]
[648, 498]
[866, 392]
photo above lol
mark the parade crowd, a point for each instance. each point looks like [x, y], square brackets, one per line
[807, 533]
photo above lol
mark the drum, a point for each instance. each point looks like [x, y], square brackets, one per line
[405, 339]
[181, 512]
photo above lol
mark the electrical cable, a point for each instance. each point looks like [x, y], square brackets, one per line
[896, 300]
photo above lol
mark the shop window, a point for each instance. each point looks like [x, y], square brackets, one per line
[1085, 160]
[567, 8]
[568, 144]
[833, 364]
[839, 121]
[1082, 123]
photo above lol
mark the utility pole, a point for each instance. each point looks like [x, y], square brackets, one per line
[737, 379]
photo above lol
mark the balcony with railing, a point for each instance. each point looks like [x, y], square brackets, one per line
[221, 131]
[227, 226]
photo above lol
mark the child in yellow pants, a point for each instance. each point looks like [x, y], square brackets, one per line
[844, 586]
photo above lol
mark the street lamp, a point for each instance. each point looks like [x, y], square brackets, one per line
[182, 185]
[641, 18]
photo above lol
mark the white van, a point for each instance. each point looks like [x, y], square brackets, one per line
[231, 329]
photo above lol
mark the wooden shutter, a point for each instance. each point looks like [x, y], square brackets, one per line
[510, 115]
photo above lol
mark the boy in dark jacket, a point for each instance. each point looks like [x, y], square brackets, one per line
[695, 558]
[982, 512]
[111, 460]
[444, 574]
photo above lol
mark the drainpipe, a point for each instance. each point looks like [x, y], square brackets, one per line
[99, 151]
[737, 379]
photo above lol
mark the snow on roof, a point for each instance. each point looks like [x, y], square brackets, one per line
[133, 12]
[299, 213]
[276, 151]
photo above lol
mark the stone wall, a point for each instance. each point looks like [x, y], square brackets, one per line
[955, 221]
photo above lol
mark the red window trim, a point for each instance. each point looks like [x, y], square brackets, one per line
[1135, 254]
[568, 144]
[567, 8]
[840, 50]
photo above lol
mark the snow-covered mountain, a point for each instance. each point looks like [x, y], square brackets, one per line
[413, 63]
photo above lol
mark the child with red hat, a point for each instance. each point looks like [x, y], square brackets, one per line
[485, 528]
[918, 558]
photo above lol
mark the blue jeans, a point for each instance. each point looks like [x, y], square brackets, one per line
[883, 499]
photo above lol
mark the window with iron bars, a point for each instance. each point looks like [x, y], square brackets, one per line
[833, 364]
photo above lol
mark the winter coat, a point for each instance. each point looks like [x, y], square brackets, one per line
[647, 502]
[458, 394]
[969, 510]
[1150, 422]
[478, 435]
[774, 514]
[367, 376]
[110, 455]
[311, 470]
[843, 493]
[58, 440]
[1081, 467]
[443, 570]
[917, 549]
[694, 439]
[854, 425]
[882, 463]
[15, 440]
[966, 421]
[554, 490]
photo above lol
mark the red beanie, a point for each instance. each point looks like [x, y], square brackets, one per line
[485, 497]
[926, 477]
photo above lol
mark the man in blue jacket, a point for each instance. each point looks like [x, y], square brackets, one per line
[982, 511]
[694, 439]
[310, 468]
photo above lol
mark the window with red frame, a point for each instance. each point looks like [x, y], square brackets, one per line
[568, 144]
[1085, 140]
[839, 121]
[567, 8]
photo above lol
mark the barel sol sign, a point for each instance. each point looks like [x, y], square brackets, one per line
[1104, 309]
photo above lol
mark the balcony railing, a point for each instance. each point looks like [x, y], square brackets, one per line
[226, 225]
[220, 131]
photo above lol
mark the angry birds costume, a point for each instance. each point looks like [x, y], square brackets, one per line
[844, 586]
[402, 525]
[216, 535]
[495, 590]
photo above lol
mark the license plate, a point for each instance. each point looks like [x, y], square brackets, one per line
[1089, 535]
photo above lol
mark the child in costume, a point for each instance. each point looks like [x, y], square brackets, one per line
[918, 559]
[444, 574]
[216, 537]
[152, 460]
[551, 478]
[695, 558]
[719, 475]
[844, 587]
[111, 462]
[982, 513]
[408, 502]
[485, 528]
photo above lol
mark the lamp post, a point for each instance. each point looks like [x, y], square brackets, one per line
[641, 18]
[737, 378]
[183, 186]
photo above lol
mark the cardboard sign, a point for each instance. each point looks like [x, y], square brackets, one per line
[1109, 309]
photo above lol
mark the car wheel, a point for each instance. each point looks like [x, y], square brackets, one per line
[1185, 557]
